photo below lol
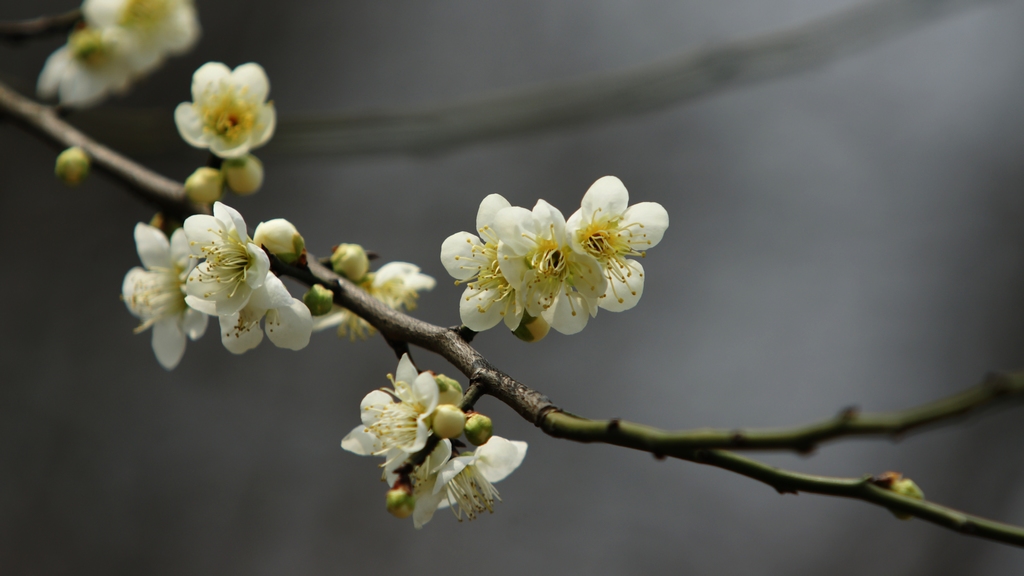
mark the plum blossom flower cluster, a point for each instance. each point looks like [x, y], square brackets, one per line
[116, 42]
[174, 295]
[397, 423]
[528, 265]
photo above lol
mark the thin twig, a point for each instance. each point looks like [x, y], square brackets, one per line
[162, 192]
[19, 30]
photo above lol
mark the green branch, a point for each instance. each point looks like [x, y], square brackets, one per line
[802, 438]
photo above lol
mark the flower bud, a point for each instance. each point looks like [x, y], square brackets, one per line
[72, 166]
[281, 238]
[401, 502]
[449, 390]
[478, 429]
[532, 329]
[205, 185]
[448, 421]
[350, 261]
[906, 487]
[319, 300]
[243, 175]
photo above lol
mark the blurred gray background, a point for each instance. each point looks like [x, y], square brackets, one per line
[851, 235]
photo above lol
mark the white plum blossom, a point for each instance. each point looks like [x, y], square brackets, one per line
[92, 65]
[473, 260]
[151, 29]
[609, 231]
[234, 265]
[117, 42]
[395, 421]
[552, 280]
[229, 112]
[288, 321]
[154, 294]
[396, 284]
[468, 480]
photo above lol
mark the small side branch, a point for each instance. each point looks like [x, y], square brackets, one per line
[19, 30]
[162, 192]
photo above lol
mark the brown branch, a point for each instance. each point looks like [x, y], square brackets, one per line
[537, 408]
[19, 30]
[162, 192]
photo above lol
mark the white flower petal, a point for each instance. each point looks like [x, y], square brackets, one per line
[272, 294]
[457, 255]
[54, 69]
[489, 208]
[180, 251]
[290, 326]
[588, 276]
[654, 219]
[236, 339]
[371, 403]
[231, 218]
[202, 230]
[451, 470]
[477, 311]
[201, 306]
[102, 13]
[499, 457]
[252, 80]
[208, 78]
[607, 198]
[425, 392]
[623, 294]
[266, 122]
[135, 276]
[194, 323]
[190, 125]
[550, 221]
[568, 313]
[516, 228]
[406, 371]
[153, 247]
[361, 442]
[229, 148]
[259, 266]
[168, 342]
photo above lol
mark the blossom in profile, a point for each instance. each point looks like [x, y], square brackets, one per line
[396, 284]
[468, 480]
[151, 29]
[610, 232]
[396, 421]
[229, 112]
[93, 64]
[154, 294]
[233, 267]
[552, 280]
[489, 298]
[288, 321]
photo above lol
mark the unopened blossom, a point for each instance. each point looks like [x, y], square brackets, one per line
[151, 29]
[93, 64]
[609, 231]
[396, 284]
[468, 479]
[288, 320]
[233, 267]
[489, 298]
[398, 418]
[229, 112]
[551, 279]
[154, 294]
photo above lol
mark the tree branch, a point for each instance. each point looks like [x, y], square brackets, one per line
[19, 30]
[537, 408]
[162, 192]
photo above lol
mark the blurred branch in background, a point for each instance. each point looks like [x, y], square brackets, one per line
[19, 30]
[691, 75]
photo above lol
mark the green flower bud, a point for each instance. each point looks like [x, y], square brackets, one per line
[319, 300]
[908, 488]
[532, 329]
[449, 390]
[72, 166]
[281, 238]
[448, 421]
[350, 261]
[479, 429]
[401, 502]
[243, 175]
[205, 185]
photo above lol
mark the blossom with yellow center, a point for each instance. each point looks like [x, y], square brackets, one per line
[150, 29]
[468, 480]
[473, 260]
[93, 64]
[233, 267]
[552, 281]
[609, 231]
[229, 112]
[154, 294]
